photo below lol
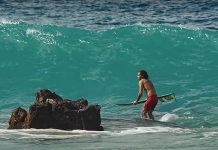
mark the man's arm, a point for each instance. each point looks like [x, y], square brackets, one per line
[139, 93]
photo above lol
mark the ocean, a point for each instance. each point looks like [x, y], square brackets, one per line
[93, 49]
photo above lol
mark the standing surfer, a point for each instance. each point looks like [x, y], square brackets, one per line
[152, 99]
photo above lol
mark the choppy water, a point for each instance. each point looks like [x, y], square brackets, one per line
[93, 49]
[101, 14]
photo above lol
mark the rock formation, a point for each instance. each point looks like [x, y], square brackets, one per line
[52, 111]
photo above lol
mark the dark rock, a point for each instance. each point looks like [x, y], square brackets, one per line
[17, 118]
[52, 111]
[43, 95]
[91, 118]
[39, 116]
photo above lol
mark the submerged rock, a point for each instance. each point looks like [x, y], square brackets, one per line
[52, 111]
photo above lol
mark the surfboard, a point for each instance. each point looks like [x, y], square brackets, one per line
[162, 98]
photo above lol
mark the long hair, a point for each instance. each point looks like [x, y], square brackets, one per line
[144, 74]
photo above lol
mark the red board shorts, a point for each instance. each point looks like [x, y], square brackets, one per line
[150, 103]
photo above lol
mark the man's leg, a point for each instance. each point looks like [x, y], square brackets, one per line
[150, 115]
[145, 114]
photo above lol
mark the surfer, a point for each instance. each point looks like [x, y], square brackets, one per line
[152, 99]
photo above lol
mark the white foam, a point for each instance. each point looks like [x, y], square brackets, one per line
[169, 117]
[210, 134]
[145, 130]
[47, 38]
[62, 134]
[32, 31]
[5, 21]
[46, 133]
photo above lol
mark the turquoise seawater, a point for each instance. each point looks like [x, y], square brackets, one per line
[101, 66]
